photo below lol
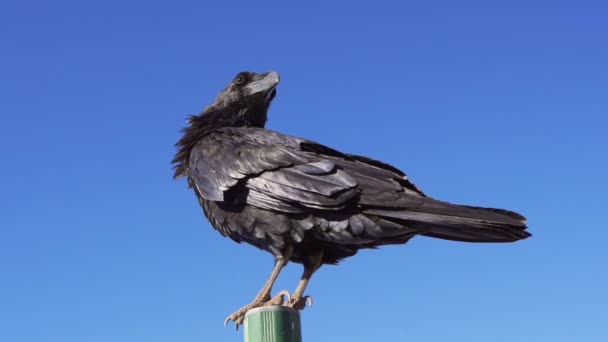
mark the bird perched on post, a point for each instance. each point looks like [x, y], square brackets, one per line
[305, 202]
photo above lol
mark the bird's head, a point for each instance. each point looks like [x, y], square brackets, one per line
[243, 103]
[245, 100]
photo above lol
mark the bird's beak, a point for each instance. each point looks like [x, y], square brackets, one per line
[265, 85]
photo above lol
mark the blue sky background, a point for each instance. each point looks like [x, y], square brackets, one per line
[490, 103]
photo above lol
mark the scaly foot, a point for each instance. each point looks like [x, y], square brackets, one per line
[299, 303]
[239, 316]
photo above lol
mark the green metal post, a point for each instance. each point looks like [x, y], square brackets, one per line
[273, 324]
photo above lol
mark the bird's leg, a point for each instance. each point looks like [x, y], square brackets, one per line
[298, 300]
[263, 297]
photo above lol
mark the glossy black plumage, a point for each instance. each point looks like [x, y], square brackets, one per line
[276, 191]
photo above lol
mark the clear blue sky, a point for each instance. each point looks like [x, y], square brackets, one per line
[499, 105]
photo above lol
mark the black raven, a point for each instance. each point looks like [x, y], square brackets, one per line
[306, 202]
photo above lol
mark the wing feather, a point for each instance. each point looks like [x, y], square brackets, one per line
[277, 173]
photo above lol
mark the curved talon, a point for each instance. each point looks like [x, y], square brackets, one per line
[239, 322]
[234, 319]
[309, 300]
[286, 294]
[300, 304]
[237, 318]
[278, 299]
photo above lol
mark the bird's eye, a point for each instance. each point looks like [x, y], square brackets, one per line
[240, 78]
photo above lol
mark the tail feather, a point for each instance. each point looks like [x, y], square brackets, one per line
[460, 223]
